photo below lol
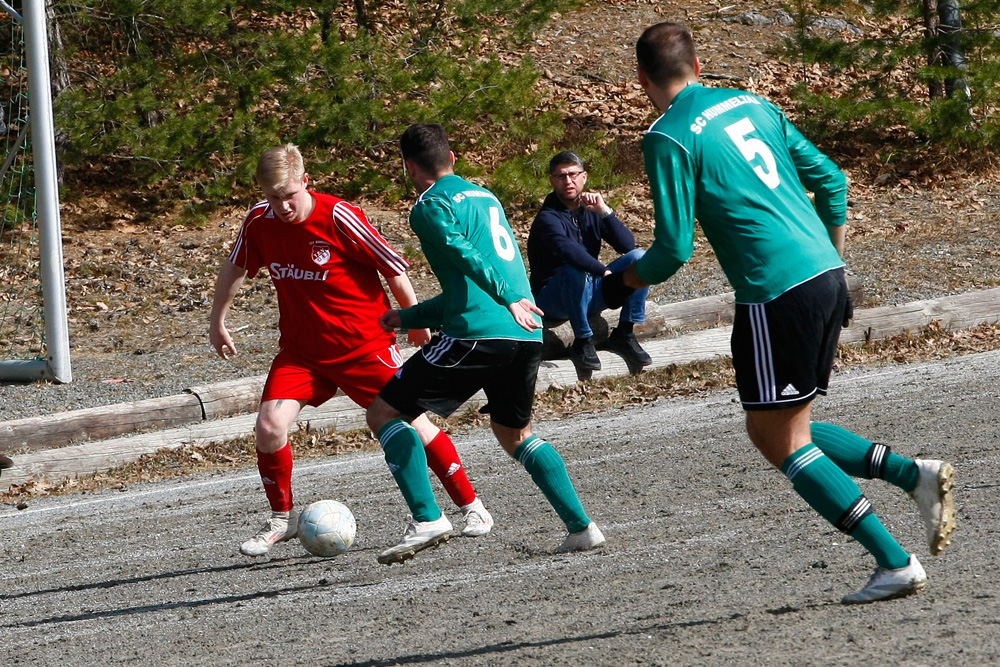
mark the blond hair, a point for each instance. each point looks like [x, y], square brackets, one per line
[280, 167]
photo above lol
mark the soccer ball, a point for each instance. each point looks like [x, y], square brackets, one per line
[326, 528]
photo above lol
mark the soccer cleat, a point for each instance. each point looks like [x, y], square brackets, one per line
[935, 502]
[478, 521]
[419, 535]
[588, 538]
[584, 355]
[887, 584]
[280, 527]
[627, 347]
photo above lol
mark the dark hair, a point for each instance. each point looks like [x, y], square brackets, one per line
[665, 52]
[565, 157]
[426, 144]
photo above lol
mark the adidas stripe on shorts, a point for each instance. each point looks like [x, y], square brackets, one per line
[783, 350]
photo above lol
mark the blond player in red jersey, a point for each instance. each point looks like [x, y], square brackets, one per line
[324, 259]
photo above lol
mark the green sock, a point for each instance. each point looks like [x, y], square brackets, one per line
[404, 454]
[548, 470]
[863, 458]
[836, 497]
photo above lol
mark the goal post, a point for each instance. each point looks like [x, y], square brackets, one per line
[53, 361]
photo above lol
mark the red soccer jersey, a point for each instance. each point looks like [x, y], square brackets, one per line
[326, 272]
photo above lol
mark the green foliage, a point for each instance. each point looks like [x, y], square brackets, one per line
[192, 91]
[523, 181]
[897, 73]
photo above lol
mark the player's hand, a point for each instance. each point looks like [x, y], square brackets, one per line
[222, 341]
[614, 290]
[522, 311]
[594, 202]
[419, 337]
[848, 312]
[390, 320]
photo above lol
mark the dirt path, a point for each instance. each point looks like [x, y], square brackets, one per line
[711, 559]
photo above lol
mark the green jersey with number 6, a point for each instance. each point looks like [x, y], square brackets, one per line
[734, 161]
[469, 244]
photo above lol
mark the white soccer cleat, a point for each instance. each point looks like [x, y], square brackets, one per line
[280, 527]
[888, 584]
[478, 521]
[934, 499]
[419, 535]
[588, 538]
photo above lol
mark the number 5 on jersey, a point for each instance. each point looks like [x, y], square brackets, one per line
[752, 147]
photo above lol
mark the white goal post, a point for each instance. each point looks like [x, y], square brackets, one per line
[54, 364]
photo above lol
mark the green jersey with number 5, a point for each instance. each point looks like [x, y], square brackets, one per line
[469, 244]
[733, 160]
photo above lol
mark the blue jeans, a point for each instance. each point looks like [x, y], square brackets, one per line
[574, 295]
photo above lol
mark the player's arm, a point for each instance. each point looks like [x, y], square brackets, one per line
[838, 236]
[429, 313]
[227, 286]
[402, 289]
[820, 175]
[671, 183]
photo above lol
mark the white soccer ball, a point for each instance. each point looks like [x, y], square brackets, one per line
[326, 528]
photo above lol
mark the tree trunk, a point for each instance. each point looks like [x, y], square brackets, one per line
[60, 70]
[935, 89]
[361, 11]
[950, 24]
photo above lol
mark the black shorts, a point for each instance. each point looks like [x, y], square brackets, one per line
[783, 350]
[449, 371]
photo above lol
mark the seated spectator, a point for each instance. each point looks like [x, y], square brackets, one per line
[563, 248]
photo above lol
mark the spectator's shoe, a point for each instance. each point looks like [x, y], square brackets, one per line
[5, 462]
[282, 526]
[588, 538]
[419, 535]
[888, 584]
[627, 347]
[584, 355]
[478, 521]
[935, 502]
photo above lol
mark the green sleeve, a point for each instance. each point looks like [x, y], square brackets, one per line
[437, 227]
[820, 175]
[424, 315]
[672, 187]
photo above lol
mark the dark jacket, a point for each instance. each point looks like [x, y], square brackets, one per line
[559, 236]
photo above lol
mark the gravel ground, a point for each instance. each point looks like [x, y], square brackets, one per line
[711, 558]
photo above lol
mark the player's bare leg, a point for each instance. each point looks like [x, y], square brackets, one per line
[443, 459]
[274, 461]
[783, 437]
[548, 471]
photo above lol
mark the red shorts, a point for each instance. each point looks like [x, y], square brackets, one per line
[361, 378]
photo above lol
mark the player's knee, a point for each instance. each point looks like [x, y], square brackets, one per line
[379, 414]
[271, 434]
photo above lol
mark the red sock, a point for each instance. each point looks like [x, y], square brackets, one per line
[276, 474]
[442, 458]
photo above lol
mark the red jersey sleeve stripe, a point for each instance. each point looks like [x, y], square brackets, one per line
[238, 255]
[361, 231]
